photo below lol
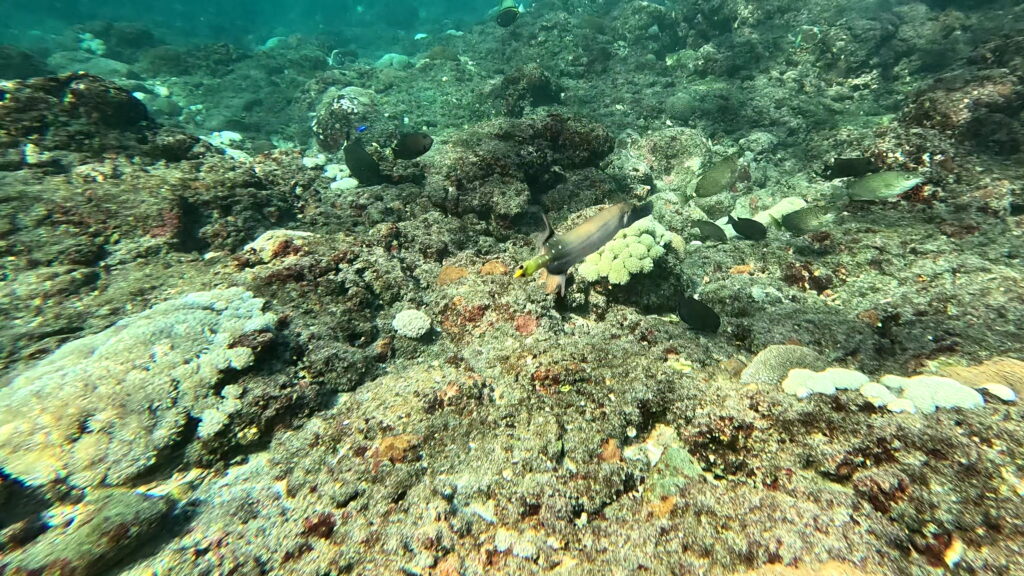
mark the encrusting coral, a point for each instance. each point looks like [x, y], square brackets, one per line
[100, 408]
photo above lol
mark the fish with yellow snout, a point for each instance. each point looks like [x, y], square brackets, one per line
[560, 252]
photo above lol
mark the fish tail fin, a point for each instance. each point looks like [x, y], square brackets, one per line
[555, 284]
[638, 212]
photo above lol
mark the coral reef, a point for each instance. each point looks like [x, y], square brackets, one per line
[291, 359]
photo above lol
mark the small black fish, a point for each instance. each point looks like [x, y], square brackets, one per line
[412, 145]
[711, 231]
[847, 167]
[361, 164]
[698, 315]
[748, 228]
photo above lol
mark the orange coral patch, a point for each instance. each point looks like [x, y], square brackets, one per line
[396, 449]
[450, 274]
[494, 268]
[663, 507]
[526, 324]
[610, 451]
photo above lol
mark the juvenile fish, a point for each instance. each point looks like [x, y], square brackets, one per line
[412, 145]
[711, 231]
[807, 220]
[719, 177]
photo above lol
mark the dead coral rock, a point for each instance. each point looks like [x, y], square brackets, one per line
[460, 318]
[103, 408]
[981, 108]
[73, 112]
[826, 569]
[103, 530]
[494, 169]
[336, 113]
[882, 489]
[526, 86]
[320, 526]
[772, 364]
[804, 276]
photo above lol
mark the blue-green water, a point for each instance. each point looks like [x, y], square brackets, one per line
[238, 21]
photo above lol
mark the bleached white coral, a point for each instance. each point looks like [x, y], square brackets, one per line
[929, 392]
[100, 408]
[920, 393]
[411, 323]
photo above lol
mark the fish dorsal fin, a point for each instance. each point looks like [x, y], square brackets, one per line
[549, 232]
[541, 238]
[636, 213]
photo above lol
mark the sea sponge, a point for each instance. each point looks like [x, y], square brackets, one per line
[99, 409]
[632, 251]
[411, 323]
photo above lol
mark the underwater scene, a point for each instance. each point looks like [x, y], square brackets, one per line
[512, 287]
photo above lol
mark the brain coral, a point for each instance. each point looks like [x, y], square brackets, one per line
[100, 408]
[632, 251]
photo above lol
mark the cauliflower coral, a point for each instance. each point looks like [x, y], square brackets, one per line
[632, 251]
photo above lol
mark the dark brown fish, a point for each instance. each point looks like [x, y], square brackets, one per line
[698, 315]
[711, 231]
[361, 164]
[847, 167]
[748, 228]
[412, 145]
